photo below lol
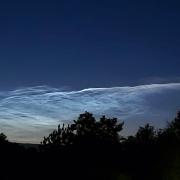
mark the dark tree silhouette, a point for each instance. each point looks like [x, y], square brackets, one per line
[100, 152]
[174, 126]
[171, 134]
[146, 134]
[59, 138]
[85, 130]
[169, 148]
[88, 141]
[3, 138]
[91, 131]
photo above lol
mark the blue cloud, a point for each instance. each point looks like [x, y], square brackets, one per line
[27, 114]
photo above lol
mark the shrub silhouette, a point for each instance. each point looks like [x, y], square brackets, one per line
[3, 138]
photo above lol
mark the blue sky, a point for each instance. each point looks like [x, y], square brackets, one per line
[51, 50]
[82, 44]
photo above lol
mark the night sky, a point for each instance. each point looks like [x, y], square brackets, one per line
[61, 58]
[92, 43]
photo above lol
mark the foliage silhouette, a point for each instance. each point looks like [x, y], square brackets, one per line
[3, 138]
[63, 136]
[94, 149]
[174, 127]
[146, 134]
[85, 130]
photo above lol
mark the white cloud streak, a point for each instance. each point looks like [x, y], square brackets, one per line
[28, 114]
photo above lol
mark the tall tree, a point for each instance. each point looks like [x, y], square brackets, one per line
[85, 130]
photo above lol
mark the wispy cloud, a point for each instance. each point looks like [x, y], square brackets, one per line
[27, 114]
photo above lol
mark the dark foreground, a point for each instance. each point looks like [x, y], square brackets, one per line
[94, 150]
[98, 163]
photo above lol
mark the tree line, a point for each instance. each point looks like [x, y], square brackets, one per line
[91, 148]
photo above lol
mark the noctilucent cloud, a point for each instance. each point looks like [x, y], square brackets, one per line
[81, 44]
[28, 114]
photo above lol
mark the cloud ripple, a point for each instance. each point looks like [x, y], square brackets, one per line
[27, 114]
